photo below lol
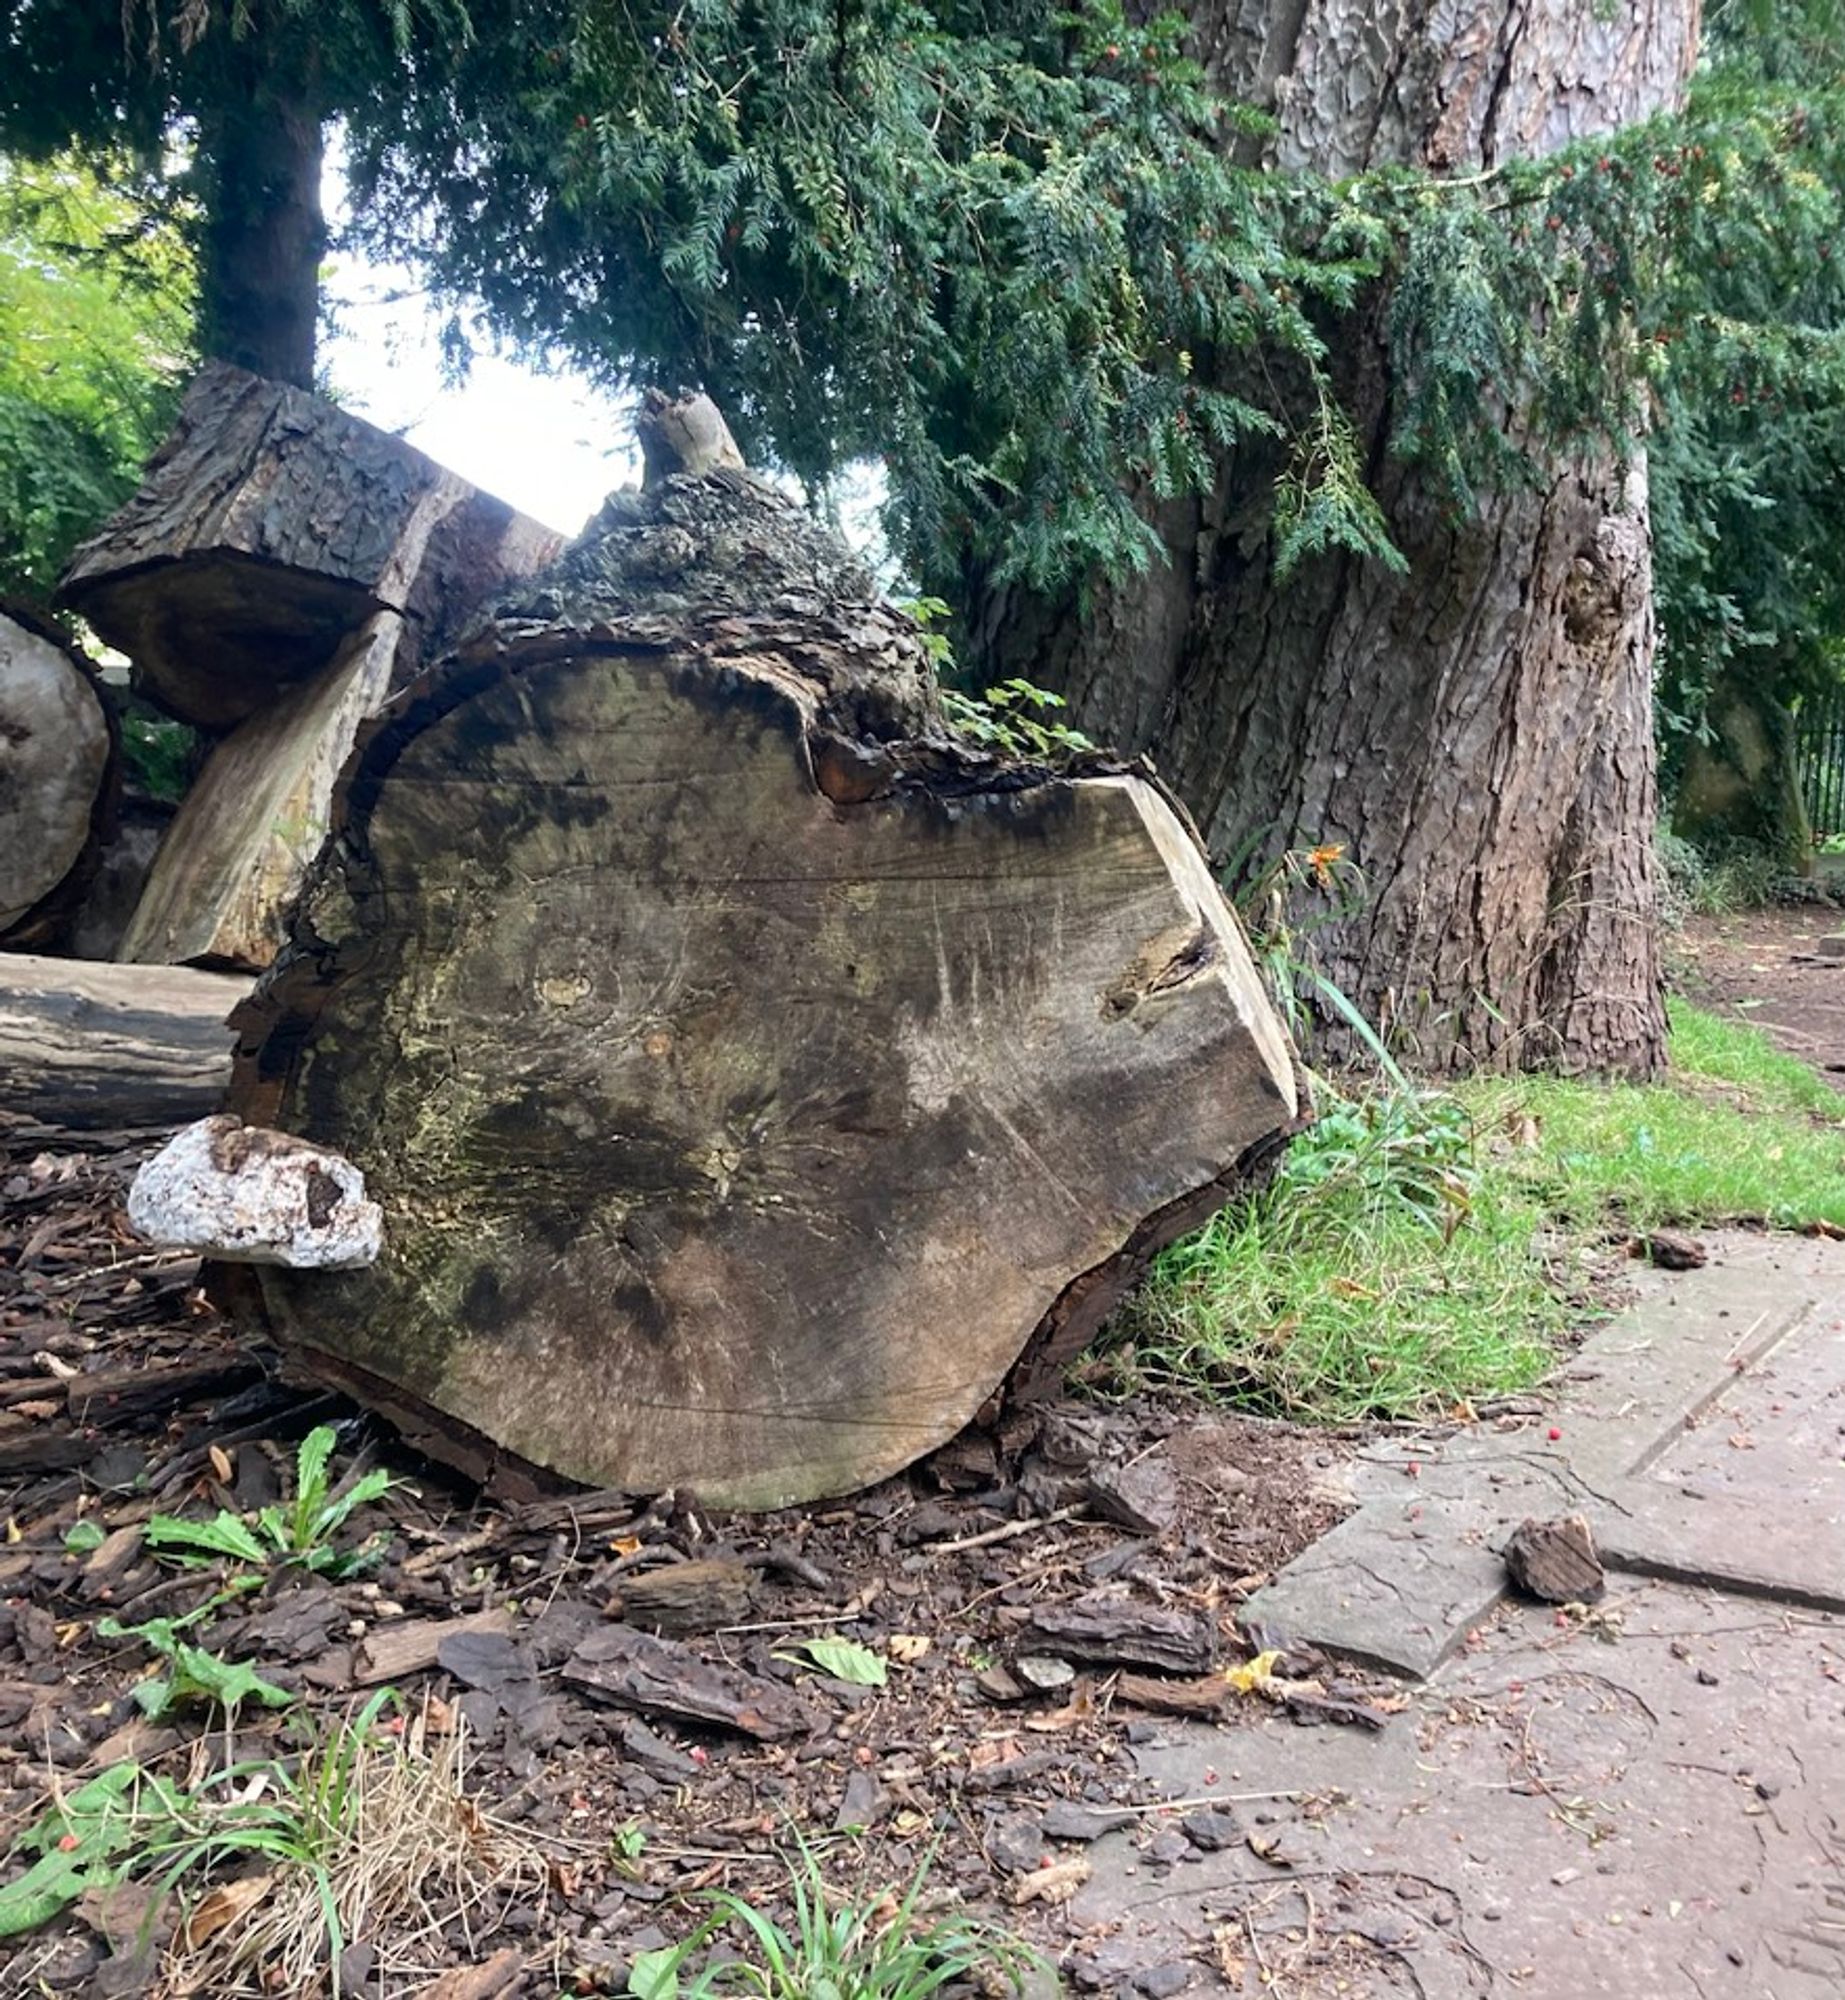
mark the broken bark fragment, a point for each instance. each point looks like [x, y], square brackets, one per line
[653, 1676]
[1117, 1631]
[731, 1136]
[680, 1599]
[1555, 1561]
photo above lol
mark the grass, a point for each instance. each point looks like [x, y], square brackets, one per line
[368, 1831]
[1419, 1250]
[884, 1947]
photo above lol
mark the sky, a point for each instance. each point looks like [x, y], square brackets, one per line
[549, 443]
[553, 445]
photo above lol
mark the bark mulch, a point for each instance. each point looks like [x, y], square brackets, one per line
[642, 1683]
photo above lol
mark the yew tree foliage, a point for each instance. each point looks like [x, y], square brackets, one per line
[1022, 253]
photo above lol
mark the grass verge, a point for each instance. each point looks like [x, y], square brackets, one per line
[1422, 1249]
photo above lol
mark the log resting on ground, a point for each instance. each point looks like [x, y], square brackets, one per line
[744, 1069]
[112, 1047]
[59, 778]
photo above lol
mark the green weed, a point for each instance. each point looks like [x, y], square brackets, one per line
[882, 1948]
[301, 1534]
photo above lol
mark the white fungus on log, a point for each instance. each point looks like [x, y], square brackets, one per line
[251, 1196]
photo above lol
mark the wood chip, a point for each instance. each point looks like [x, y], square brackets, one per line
[393, 1652]
[496, 1979]
[1555, 1561]
[1117, 1631]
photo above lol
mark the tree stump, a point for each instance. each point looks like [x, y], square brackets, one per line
[59, 778]
[745, 1070]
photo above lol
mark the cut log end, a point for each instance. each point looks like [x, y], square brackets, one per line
[731, 1134]
[58, 778]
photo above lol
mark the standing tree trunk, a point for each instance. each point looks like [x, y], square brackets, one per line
[1476, 734]
[264, 233]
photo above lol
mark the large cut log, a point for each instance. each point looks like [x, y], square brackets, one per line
[744, 1070]
[272, 526]
[115, 1047]
[59, 778]
[284, 567]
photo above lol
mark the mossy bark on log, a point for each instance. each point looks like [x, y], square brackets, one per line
[60, 777]
[745, 1070]
[270, 527]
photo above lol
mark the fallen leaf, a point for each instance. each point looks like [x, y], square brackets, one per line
[626, 1545]
[845, 1659]
[221, 1465]
[906, 1648]
[1055, 1884]
[1253, 1676]
[225, 1905]
[1267, 1847]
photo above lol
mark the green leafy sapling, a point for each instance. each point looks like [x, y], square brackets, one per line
[299, 1534]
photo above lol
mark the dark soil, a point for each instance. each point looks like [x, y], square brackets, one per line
[123, 1395]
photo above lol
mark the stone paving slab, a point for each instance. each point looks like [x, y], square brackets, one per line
[1648, 1807]
[1755, 1339]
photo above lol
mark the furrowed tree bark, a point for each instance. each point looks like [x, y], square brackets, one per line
[264, 234]
[1465, 733]
[60, 779]
[744, 1068]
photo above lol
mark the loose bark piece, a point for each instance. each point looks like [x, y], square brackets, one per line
[1673, 1250]
[391, 1652]
[102, 1047]
[1555, 1561]
[1143, 1495]
[496, 1978]
[661, 1677]
[684, 1598]
[734, 1132]
[251, 1196]
[1205, 1699]
[125, 1395]
[1116, 1631]
[271, 526]
[58, 778]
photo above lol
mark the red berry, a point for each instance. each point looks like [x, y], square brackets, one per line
[1555, 1434]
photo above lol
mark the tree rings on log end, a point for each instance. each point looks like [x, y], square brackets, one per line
[731, 1136]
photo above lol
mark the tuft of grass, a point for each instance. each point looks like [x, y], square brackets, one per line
[881, 1948]
[277, 1863]
[1421, 1249]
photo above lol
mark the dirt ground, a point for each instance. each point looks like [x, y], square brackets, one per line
[1052, 1606]
[1766, 967]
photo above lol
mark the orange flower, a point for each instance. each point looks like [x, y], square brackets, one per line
[1321, 860]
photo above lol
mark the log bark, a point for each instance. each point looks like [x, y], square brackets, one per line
[1463, 733]
[744, 1069]
[59, 779]
[107, 1047]
[284, 569]
[270, 528]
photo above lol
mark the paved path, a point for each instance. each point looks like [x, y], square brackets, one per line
[1645, 1802]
